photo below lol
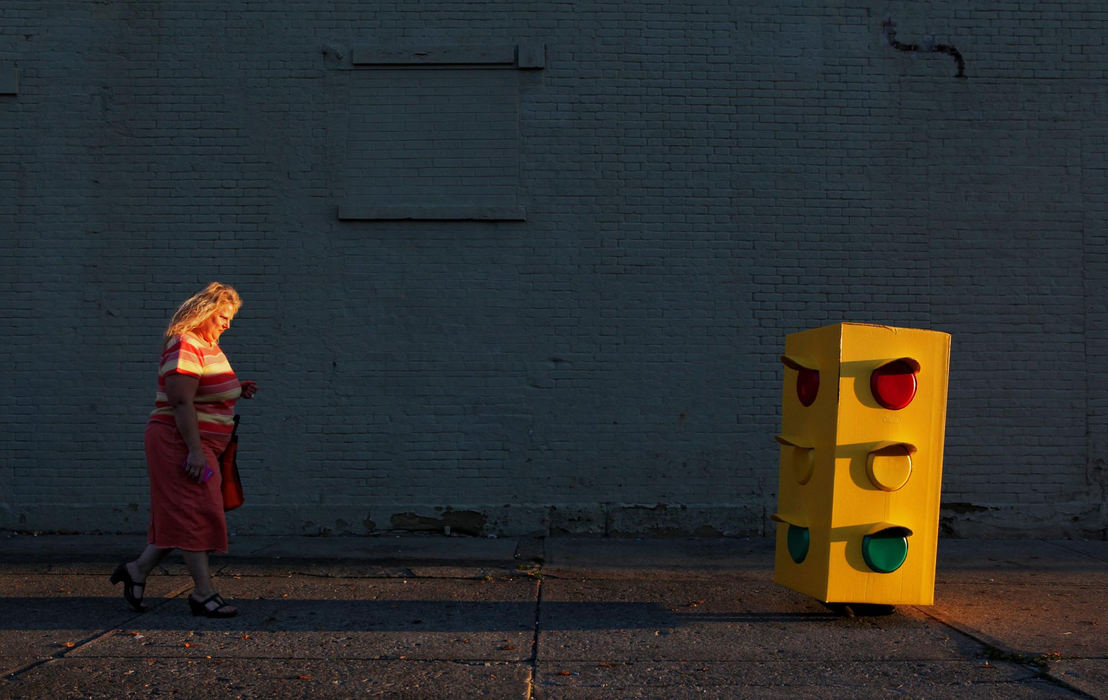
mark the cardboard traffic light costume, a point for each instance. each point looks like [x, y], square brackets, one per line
[863, 421]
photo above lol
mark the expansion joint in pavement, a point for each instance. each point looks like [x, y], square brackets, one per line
[62, 653]
[533, 662]
[995, 650]
[87, 641]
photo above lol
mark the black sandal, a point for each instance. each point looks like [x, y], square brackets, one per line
[129, 584]
[200, 608]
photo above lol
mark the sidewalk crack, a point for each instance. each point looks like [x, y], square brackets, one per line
[534, 660]
[61, 654]
[995, 649]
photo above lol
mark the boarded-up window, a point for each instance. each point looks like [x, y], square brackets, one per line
[434, 134]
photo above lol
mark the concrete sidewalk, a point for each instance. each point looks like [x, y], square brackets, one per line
[435, 616]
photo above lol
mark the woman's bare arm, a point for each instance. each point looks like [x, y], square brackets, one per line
[180, 390]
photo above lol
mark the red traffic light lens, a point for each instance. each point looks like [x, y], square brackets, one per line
[807, 385]
[894, 384]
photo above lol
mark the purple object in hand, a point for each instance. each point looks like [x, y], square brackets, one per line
[207, 471]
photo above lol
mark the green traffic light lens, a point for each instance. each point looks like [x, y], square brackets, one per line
[884, 552]
[797, 539]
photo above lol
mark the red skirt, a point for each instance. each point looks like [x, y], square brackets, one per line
[184, 514]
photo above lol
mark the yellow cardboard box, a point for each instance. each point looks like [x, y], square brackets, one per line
[862, 429]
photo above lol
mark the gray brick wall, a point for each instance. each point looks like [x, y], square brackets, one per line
[696, 179]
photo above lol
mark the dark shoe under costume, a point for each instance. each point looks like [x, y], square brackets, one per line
[202, 608]
[129, 584]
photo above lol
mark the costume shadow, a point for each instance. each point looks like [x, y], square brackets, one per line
[299, 615]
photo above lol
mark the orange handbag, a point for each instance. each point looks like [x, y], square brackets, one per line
[229, 470]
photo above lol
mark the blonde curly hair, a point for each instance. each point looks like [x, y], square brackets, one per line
[201, 306]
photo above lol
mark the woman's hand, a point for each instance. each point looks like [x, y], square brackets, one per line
[249, 388]
[196, 465]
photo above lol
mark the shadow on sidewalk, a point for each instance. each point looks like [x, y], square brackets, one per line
[48, 613]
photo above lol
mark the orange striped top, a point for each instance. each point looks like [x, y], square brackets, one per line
[218, 390]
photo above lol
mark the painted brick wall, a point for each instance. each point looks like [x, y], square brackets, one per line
[695, 179]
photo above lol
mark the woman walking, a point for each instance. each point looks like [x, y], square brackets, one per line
[188, 429]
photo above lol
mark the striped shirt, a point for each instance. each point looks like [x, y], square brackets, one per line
[218, 390]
